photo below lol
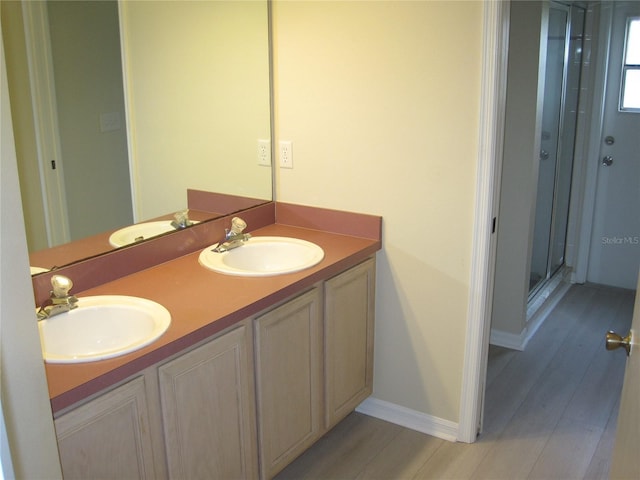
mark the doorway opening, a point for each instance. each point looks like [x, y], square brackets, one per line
[601, 201]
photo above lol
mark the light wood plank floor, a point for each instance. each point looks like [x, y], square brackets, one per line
[550, 411]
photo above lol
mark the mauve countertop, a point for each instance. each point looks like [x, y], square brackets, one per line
[202, 303]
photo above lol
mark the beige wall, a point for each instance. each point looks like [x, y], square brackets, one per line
[381, 101]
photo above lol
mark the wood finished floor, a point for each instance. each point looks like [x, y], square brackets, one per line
[550, 411]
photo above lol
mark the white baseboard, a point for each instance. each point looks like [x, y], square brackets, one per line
[513, 341]
[537, 313]
[405, 417]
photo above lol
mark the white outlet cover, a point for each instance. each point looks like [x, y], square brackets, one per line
[286, 154]
[264, 153]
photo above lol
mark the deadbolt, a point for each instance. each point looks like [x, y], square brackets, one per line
[609, 140]
[607, 161]
[613, 341]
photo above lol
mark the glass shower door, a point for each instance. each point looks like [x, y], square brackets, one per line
[559, 118]
[567, 143]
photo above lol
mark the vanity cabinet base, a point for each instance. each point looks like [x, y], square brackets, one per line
[242, 404]
[314, 364]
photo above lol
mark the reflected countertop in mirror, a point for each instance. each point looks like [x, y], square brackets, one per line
[203, 207]
[87, 247]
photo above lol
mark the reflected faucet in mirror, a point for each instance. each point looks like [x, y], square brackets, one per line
[181, 220]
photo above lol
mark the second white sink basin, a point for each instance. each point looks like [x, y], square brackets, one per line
[263, 256]
[102, 327]
[140, 231]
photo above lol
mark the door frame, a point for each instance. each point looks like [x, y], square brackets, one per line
[483, 259]
[45, 115]
[495, 49]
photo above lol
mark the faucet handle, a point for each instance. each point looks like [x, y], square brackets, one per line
[60, 286]
[237, 225]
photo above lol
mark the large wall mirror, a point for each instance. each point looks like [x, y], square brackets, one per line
[146, 99]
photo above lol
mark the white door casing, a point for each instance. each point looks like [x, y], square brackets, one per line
[45, 114]
[492, 112]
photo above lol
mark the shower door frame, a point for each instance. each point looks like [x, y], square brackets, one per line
[549, 274]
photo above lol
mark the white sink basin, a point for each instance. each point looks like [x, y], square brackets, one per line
[263, 256]
[101, 327]
[140, 231]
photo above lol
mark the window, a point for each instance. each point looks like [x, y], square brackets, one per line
[630, 91]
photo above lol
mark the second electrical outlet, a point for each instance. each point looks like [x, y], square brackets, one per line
[286, 154]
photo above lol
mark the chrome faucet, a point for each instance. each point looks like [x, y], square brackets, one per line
[233, 238]
[181, 220]
[60, 300]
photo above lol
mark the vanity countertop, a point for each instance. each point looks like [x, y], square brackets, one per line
[202, 303]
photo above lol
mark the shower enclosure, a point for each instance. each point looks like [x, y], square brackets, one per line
[559, 118]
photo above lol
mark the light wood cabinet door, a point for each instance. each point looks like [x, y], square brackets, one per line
[108, 438]
[208, 410]
[288, 343]
[349, 325]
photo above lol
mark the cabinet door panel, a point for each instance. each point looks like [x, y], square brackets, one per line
[107, 438]
[349, 316]
[208, 410]
[289, 380]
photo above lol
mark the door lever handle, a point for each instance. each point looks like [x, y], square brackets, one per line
[613, 341]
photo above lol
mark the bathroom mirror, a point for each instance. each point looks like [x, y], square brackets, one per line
[195, 91]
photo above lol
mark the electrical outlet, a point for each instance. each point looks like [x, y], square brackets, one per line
[286, 154]
[264, 153]
[110, 122]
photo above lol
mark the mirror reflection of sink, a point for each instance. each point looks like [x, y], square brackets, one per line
[102, 327]
[140, 231]
[263, 256]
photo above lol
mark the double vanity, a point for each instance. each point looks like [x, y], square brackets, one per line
[256, 364]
